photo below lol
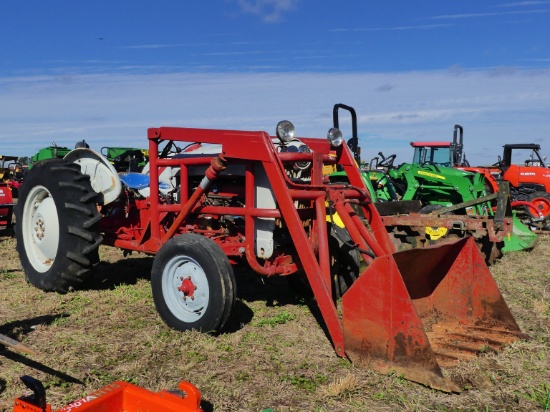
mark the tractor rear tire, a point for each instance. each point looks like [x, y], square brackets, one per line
[57, 226]
[193, 284]
[344, 265]
[344, 260]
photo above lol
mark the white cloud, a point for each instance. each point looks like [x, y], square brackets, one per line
[270, 11]
[526, 3]
[394, 28]
[393, 108]
[477, 15]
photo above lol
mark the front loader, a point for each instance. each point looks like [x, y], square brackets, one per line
[213, 198]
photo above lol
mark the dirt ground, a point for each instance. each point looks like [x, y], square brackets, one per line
[277, 355]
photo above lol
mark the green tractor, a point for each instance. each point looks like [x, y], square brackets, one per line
[429, 183]
[126, 159]
[50, 152]
[123, 159]
[425, 203]
[444, 189]
[529, 180]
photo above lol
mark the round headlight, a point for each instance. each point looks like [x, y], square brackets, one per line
[285, 131]
[335, 137]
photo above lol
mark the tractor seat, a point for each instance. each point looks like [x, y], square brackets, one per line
[139, 181]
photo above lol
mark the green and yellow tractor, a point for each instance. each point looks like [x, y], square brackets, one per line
[423, 203]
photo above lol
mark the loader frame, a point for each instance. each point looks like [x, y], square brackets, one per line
[246, 149]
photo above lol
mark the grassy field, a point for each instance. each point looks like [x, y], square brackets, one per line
[276, 357]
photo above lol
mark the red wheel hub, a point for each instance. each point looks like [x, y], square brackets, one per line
[543, 205]
[187, 287]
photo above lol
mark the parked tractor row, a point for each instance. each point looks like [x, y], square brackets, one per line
[123, 159]
[529, 180]
[424, 202]
[208, 199]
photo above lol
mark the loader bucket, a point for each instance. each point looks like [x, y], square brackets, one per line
[417, 311]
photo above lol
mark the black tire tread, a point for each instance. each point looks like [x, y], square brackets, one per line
[78, 216]
[206, 250]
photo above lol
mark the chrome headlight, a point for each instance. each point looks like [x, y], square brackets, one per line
[285, 131]
[335, 137]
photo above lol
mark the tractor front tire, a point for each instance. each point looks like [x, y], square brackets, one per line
[193, 284]
[57, 226]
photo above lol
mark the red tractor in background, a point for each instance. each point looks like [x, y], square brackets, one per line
[11, 173]
[11, 178]
[6, 206]
[529, 180]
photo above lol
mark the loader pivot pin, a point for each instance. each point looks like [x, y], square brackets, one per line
[187, 287]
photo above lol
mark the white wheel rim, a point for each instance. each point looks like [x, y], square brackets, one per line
[185, 289]
[40, 228]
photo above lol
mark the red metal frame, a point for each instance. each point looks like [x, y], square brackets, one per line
[430, 144]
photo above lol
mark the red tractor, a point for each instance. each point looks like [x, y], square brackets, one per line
[6, 206]
[11, 172]
[209, 199]
[11, 177]
[529, 179]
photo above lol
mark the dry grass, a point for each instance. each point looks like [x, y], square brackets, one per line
[277, 357]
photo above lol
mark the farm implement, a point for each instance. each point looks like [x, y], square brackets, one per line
[213, 198]
[117, 396]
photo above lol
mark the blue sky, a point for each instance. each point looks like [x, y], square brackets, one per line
[105, 71]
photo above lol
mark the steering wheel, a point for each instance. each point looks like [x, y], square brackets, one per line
[500, 164]
[386, 161]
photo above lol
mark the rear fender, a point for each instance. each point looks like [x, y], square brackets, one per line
[103, 176]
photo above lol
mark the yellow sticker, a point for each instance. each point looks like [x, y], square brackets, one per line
[421, 172]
